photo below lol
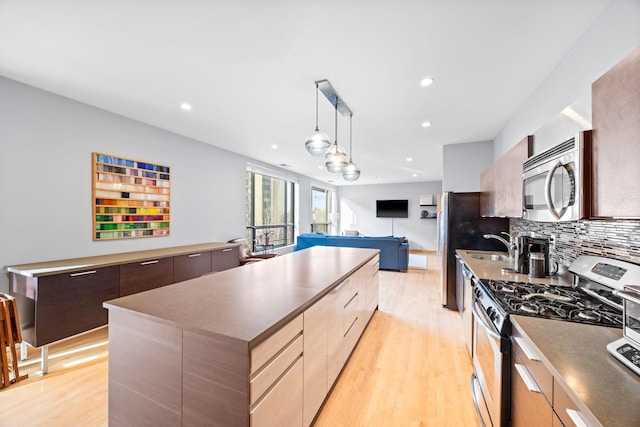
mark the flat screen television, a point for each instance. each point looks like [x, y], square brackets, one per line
[392, 208]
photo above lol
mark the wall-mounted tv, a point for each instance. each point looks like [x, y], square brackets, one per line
[392, 208]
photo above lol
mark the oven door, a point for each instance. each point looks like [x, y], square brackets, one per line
[489, 369]
[550, 191]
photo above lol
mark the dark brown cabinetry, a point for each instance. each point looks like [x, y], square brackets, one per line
[57, 300]
[61, 305]
[616, 130]
[190, 266]
[144, 275]
[501, 183]
[224, 259]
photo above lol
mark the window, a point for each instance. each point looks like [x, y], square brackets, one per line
[269, 211]
[320, 210]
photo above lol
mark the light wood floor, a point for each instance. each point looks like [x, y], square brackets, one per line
[410, 369]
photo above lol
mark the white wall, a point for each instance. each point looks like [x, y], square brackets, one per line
[358, 206]
[611, 37]
[462, 164]
[45, 179]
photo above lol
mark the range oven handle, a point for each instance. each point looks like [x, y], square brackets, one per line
[547, 192]
[484, 322]
[630, 296]
[474, 397]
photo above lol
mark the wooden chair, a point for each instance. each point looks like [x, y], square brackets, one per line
[246, 256]
[9, 336]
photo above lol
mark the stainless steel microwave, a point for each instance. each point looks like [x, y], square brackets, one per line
[557, 182]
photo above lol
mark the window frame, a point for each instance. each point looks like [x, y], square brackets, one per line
[255, 234]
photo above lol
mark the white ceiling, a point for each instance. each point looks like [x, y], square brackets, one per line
[248, 69]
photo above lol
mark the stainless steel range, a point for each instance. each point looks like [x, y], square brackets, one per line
[596, 297]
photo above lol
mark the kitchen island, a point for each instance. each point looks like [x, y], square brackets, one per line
[228, 348]
[568, 362]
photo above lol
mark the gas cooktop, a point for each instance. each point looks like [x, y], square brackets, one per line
[556, 302]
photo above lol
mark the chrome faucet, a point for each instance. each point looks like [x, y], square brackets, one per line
[510, 244]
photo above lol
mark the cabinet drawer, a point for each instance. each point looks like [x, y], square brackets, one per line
[270, 347]
[282, 405]
[274, 369]
[350, 314]
[224, 259]
[71, 303]
[144, 275]
[528, 405]
[530, 358]
[190, 266]
[568, 411]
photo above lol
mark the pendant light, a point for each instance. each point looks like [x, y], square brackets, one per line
[351, 172]
[336, 160]
[317, 141]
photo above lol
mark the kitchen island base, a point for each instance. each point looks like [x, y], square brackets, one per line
[238, 351]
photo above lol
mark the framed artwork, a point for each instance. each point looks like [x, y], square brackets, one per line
[426, 200]
[131, 198]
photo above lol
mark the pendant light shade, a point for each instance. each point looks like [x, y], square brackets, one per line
[317, 142]
[336, 160]
[351, 172]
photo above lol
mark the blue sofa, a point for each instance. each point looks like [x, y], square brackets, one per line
[394, 251]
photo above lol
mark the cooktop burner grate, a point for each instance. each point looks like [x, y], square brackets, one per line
[552, 302]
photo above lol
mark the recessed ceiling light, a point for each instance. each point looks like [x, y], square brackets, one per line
[415, 175]
[426, 124]
[409, 159]
[274, 146]
[427, 81]
[185, 106]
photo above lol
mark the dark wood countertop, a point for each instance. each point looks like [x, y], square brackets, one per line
[577, 356]
[575, 353]
[250, 302]
[48, 268]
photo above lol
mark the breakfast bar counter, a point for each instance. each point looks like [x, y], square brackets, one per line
[227, 348]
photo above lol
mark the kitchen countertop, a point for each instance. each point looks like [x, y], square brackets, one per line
[488, 269]
[575, 353]
[577, 356]
[248, 303]
[47, 268]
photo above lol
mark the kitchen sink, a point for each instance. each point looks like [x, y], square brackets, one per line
[488, 257]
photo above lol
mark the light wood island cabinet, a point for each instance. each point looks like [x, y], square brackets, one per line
[260, 345]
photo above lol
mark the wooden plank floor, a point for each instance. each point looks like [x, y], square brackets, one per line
[409, 369]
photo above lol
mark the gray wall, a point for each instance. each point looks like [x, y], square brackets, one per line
[611, 37]
[462, 164]
[358, 203]
[45, 179]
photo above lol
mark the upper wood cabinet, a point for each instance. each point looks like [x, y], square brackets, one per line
[501, 183]
[616, 140]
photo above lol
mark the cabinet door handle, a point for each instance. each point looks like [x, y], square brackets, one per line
[194, 255]
[82, 273]
[227, 250]
[149, 262]
[531, 355]
[526, 377]
[576, 418]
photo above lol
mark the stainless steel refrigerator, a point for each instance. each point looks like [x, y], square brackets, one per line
[460, 226]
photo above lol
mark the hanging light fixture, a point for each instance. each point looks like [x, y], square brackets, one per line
[336, 160]
[317, 141]
[351, 172]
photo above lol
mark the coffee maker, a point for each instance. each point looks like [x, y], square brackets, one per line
[526, 245]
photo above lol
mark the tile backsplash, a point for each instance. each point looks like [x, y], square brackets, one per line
[618, 239]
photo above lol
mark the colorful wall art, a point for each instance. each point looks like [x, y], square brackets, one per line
[130, 198]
